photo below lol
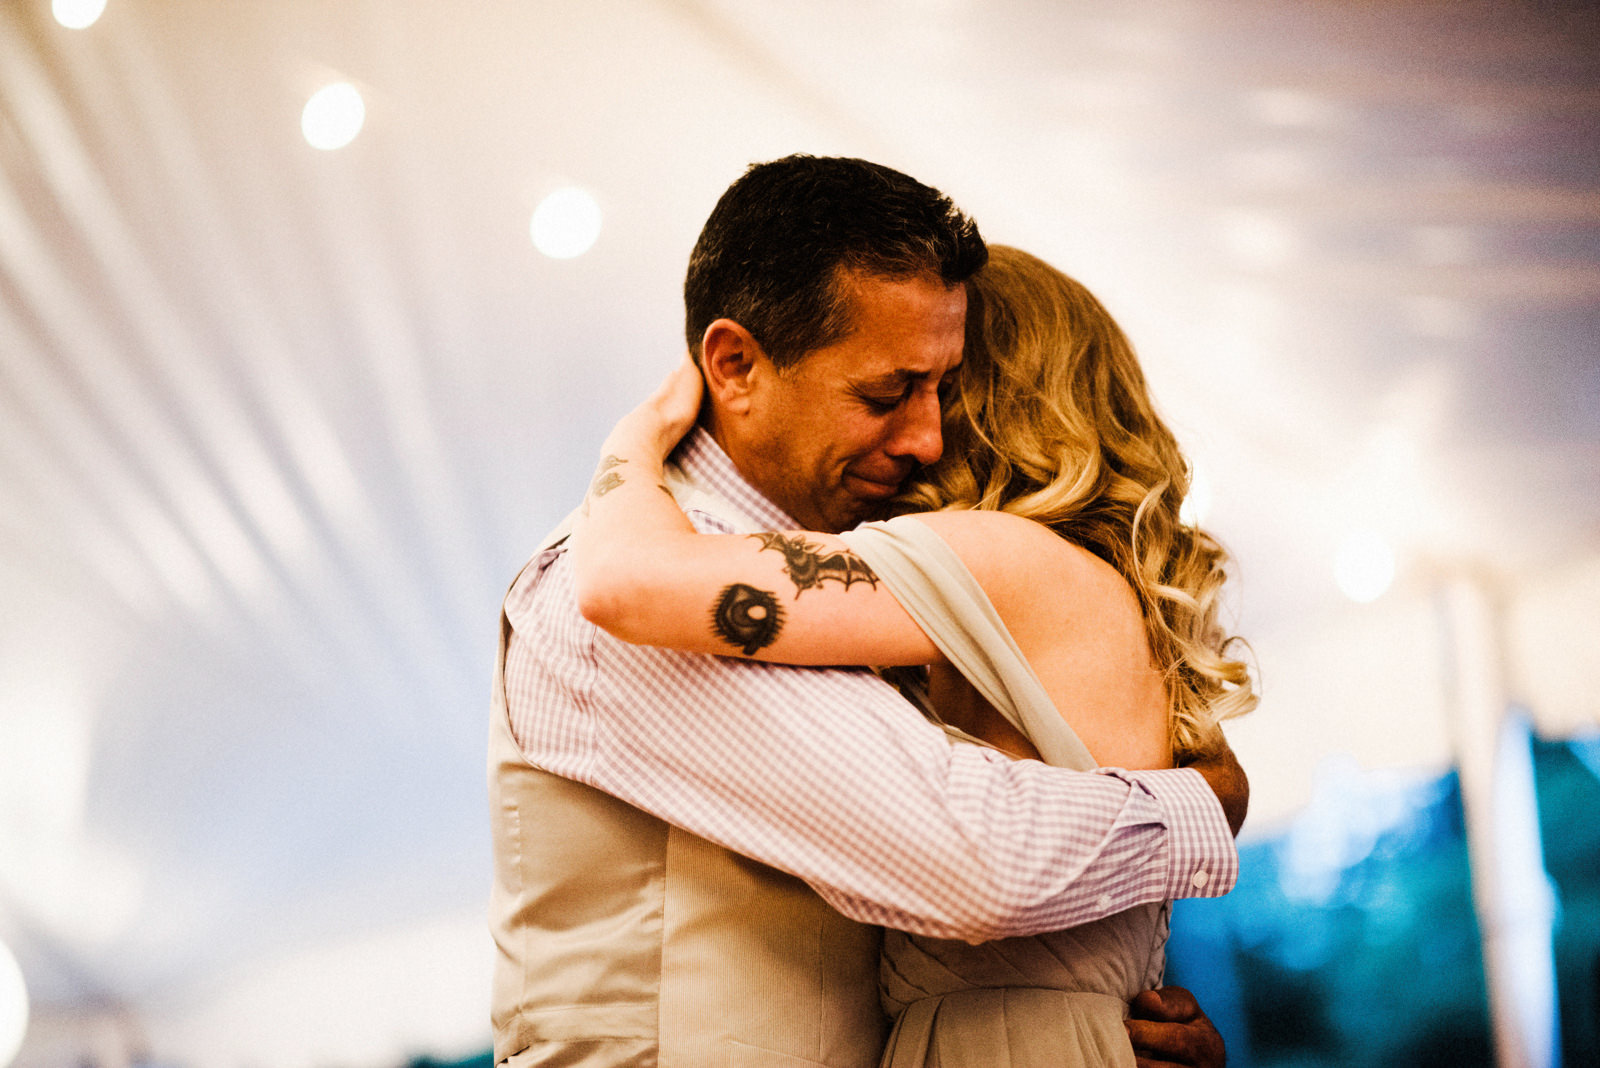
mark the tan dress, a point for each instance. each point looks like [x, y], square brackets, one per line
[1054, 1000]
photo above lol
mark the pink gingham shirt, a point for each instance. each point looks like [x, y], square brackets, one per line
[830, 775]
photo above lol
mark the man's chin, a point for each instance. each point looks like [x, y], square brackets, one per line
[858, 511]
[856, 500]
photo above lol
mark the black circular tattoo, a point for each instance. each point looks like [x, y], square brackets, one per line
[747, 617]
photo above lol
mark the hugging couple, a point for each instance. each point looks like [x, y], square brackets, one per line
[866, 712]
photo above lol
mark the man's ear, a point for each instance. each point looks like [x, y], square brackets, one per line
[729, 356]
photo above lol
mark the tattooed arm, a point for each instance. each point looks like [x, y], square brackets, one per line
[644, 575]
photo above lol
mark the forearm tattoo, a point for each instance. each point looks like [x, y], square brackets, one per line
[747, 618]
[808, 568]
[606, 479]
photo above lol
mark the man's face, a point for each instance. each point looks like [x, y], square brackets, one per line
[833, 437]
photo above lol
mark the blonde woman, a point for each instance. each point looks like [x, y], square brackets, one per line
[1040, 572]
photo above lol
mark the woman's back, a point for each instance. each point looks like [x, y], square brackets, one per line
[1056, 999]
[1079, 627]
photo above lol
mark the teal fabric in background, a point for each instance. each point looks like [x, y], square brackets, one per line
[1568, 778]
[1351, 939]
[481, 1060]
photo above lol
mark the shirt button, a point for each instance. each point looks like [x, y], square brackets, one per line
[1103, 902]
[1200, 878]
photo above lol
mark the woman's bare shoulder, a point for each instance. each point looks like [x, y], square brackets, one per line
[1013, 556]
[987, 539]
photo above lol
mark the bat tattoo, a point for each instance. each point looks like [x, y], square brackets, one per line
[605, 479]
[747, 618]
[808, 569]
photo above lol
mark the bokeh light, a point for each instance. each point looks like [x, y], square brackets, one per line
[1364, 567]
[333, 116]
[566, 223]
[77, 15]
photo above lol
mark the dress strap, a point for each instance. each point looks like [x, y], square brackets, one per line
[938, 591]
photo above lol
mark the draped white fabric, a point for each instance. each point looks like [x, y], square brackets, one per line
[277, 425]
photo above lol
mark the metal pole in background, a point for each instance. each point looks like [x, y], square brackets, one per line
[1510, 890]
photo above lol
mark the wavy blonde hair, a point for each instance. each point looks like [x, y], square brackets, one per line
[1053, 421]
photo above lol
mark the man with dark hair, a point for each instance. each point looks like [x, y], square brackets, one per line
[694, 855]
[777, 272]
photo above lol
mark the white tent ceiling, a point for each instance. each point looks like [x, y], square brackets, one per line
[277, 424]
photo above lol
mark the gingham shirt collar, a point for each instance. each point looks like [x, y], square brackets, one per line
[704, 462]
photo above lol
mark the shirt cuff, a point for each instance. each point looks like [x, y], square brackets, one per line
[1200, 848]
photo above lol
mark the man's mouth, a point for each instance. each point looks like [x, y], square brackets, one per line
[872, 488]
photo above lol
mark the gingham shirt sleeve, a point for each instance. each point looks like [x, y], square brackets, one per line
[830, 775]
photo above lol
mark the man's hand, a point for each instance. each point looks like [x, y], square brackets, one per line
[1169, 1031]
[1227, 780]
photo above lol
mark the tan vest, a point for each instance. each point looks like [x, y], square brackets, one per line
[626, 941]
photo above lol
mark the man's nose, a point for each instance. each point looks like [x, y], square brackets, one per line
[919, 434]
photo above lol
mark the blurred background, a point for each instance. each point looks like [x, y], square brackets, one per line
[312, 317]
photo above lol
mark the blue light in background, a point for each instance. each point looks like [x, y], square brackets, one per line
[1351, 938]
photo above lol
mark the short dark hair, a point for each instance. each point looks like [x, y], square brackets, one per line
[771, 255]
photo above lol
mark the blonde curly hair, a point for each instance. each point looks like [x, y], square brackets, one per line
[1053, 421]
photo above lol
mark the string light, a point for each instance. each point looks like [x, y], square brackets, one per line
[77, 14]
[566, 223]
[333, 116]
[1364, 567]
